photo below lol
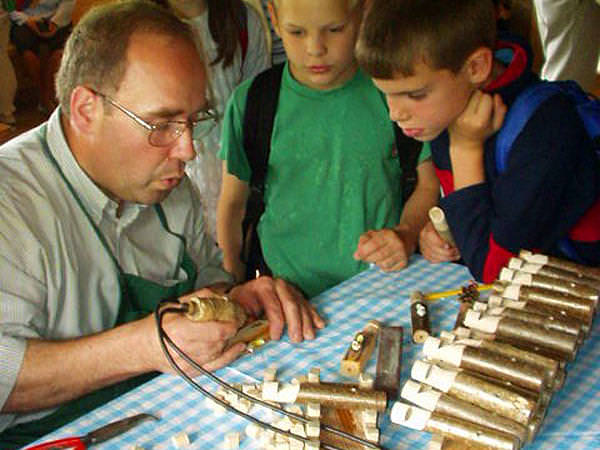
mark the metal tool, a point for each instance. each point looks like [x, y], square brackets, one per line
[254, 335]
[97, 436]
[389, 361]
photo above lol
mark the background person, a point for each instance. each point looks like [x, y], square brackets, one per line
[231, 34]
[8, 80]
[570, 37]
[47, 23]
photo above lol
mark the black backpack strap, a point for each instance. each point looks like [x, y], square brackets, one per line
[259, 116]
[243, 37]
[408, 156]
[261, 106]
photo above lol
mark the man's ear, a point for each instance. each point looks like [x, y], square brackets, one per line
[479, 65]
[273, 16]
[86, 107]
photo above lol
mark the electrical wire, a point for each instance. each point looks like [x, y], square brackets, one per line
[164, 339]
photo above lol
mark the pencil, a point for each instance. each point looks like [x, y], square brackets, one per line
[443, 294]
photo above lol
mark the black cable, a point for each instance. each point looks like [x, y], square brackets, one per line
[164, 337]
[260, 402]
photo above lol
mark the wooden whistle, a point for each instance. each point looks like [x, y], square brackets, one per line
[419, 315]
[360, 350]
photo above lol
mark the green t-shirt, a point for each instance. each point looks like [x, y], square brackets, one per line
[333, 174]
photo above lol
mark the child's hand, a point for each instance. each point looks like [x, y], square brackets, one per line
[388, 248]
[482, 117]
[434, 248]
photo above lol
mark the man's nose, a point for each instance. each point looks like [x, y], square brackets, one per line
[184, 146]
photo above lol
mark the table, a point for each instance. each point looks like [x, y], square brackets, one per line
[573, 420]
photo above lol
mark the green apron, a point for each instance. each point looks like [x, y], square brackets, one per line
[138, 298]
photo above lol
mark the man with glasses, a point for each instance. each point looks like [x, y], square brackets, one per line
[99, 223]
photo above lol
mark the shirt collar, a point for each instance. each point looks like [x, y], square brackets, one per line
[96, 202]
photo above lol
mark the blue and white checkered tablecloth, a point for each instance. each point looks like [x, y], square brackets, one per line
[573, 420]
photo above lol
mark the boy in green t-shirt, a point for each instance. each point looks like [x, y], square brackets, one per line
[332, 189]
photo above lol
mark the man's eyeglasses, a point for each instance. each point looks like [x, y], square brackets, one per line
[164, 133]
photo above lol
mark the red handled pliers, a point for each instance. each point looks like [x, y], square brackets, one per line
[95, 437]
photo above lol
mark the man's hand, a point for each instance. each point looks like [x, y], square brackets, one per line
[282, 304]
[204, 342]
[434, 248]
[389, 248]
[482, 117]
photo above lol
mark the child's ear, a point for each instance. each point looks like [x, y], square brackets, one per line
[273, 16]
[85, 107]
[479, 65]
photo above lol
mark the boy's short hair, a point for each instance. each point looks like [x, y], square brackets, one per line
[351, 3]
[95, 54]
[398, 34]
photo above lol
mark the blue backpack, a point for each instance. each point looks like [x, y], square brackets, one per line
[588, 108]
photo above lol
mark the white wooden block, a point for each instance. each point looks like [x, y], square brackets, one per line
[296, 444]
[365, 382]
[299, 379]
[269, 390]
[313, 410]
[372, 434]
[369, 417]
[270, 373]
[314, 375]
[271, 415]
[221, 393]
[285, 424]
[296, 409]
[252, 390]
[288, 393]
[313, 429]
[231, 397]
[281, 438]
[266, 438]
[232, 441]
[298, 429]
[180, 440]
[244, 405]
[253, 431]
[312, 445]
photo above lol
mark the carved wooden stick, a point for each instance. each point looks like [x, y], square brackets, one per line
[438, 220]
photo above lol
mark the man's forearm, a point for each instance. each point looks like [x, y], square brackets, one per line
[55, 372]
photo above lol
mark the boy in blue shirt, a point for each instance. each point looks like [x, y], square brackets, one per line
[448, 81]
[332, 192]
